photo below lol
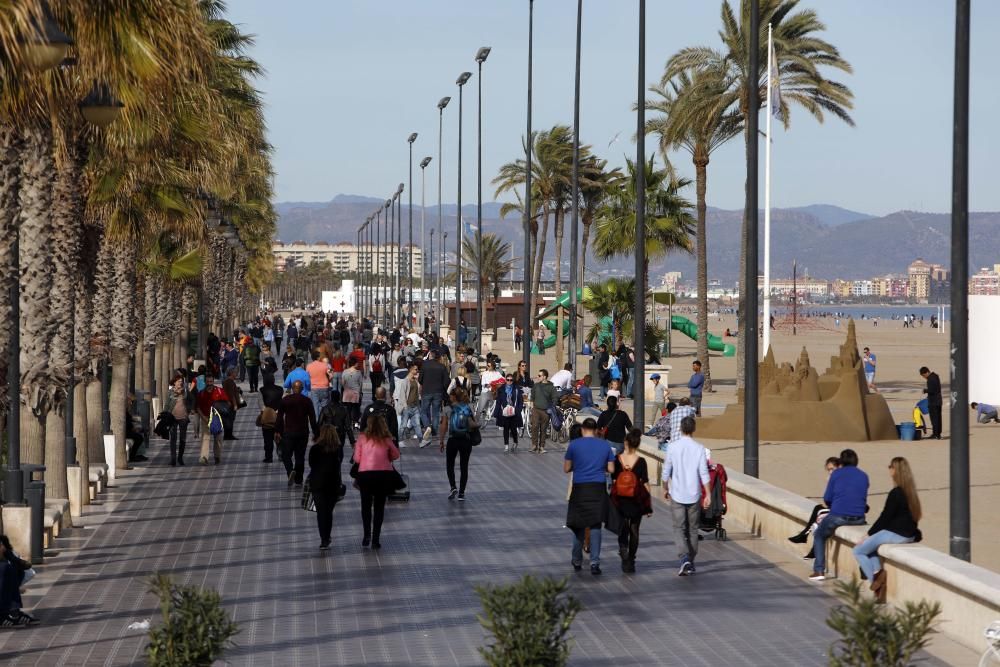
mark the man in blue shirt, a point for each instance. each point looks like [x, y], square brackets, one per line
[300, 374]
[695, 386]
[869, 361]
[590, 459]
[985, 413]
[847, 497]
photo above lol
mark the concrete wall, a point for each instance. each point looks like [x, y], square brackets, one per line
[984, 353]
[969, 595]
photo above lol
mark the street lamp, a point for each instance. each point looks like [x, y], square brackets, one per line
[409, 261]
[441, 105]
[47, 45]
[388, 205]
[481, 56]
[398, 290]
[461, 81]
[639, 316]
[574, 226]
[748, 295]
[423, 269]
[526, 313]
[444, 242]
[100, 107]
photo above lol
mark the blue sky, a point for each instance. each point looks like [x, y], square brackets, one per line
[349, 80]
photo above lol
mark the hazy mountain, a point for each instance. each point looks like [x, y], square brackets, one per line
[830, 242]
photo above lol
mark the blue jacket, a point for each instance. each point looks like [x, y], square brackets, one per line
[696, 383]
[301, 375]
[847, 491]
[517, 400]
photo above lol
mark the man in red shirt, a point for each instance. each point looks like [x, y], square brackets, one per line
[357, 355]
[206, 399]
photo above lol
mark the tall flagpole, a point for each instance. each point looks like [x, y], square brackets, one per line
[766, 324]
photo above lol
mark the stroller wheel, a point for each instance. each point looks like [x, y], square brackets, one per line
[721, 535]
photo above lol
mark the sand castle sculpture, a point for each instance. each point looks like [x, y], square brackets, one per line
[796, 403]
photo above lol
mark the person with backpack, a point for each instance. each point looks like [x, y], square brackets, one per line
[630, 497]
[589, 458]
[295, 419]
[271, 395]
[381, 408]
[336, 414]
[461, 429]
[325, 459]
[211, 420]
[613, 424]
[376, 368]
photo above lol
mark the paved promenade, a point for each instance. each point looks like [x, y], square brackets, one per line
[237, 528]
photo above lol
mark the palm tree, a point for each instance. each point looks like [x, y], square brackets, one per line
[595, 183]
[494, 260]
[614, 298]
[669, 224]
[801, 56]
[692, 119]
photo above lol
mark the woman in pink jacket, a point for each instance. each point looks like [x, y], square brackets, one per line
[377, 478]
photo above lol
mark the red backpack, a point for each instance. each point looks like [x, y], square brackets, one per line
[626, 483]
[377, 365]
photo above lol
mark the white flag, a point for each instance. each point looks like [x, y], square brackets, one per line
[774, 100]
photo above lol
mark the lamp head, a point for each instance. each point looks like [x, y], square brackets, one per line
[463, 78]
[100, 107]
[388, 203]
[426, 161]
[482, 54]
[399, 190]
[47, 45]
[443, 103]
[413, 137]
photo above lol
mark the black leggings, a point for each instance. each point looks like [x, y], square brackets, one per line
[461, 448]
[325, 503]
[628, 539]
[508, 431]
[372, 525]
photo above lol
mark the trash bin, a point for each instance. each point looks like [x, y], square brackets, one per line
[908, 431]
[34, 496]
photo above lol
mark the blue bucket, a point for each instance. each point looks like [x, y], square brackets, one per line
[907, 431]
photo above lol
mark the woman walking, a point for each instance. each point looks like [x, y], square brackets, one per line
[337, 362]
[457, 424]
[374, 453]
[508, 411]
[180, 407]
[631, 497]
[896, 525]
[336, 414]
[325, 459]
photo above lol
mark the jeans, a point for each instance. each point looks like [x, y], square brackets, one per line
[826, 528]
[335, 381]
[595, 545]
[619, 447]
[206, 438]
[254, 373]
[867, 551]
[685, 518]
[319, 398]
[430, 408]
[696, 404]
[372, 524]
[536, 425]
[629, 381]
[325, 503]
[294, 445]
[461, 448]
[178, 434]
[411, 418]
[268, 435]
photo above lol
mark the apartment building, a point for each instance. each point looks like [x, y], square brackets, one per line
[345, 257]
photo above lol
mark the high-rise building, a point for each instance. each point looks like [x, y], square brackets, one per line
[345, 257]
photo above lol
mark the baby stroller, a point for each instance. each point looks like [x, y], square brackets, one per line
[711, 519]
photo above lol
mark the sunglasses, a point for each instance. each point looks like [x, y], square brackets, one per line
[509, 379]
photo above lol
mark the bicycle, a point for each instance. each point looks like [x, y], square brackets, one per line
[992, 654]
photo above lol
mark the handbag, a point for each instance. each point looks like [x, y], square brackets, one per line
[355, 467]
[308, 502]
[508, 411]
[242, 402]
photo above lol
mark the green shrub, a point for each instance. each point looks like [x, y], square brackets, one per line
[195, 630]
[875, 635]
[529, 621]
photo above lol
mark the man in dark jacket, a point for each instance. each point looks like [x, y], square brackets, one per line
[271, 395]
[296, 417]
[933, 391]
[380, 407]
[433, 381]
[233, 394]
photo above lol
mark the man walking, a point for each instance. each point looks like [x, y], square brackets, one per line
[589, 459]
[869, 361]
[933, 391]
[207, 398]
[409, 392]
[299, 374]
[695, 386]
[543, 396]
[251, 360]
[381, 408]
[319, 382]
[434, 381]
[291, 429]
[271, 395]
[686, 486]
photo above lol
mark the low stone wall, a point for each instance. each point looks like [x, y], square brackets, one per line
[969, 595]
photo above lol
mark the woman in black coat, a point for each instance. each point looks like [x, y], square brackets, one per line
[325, 459]
[508, 409]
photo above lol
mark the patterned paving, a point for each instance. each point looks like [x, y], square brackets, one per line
[238, 529]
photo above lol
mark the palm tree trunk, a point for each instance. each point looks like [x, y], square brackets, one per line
[118, 404]
[539, 261]
[10, 177]
[95, 429]
[701, 187]
[124, 337]
[55, 454]
[37, 326]
[81, 433]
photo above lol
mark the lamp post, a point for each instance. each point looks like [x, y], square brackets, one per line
[444, 243]
[399, 312]
[639, 318]
[379, 262]
[461, 81]
[748, 297]
[423, 269]
[528, 299]
[409, 261]
[359, 287]
[441, 105]
[391, 235]
[575, 223]
[481, 56]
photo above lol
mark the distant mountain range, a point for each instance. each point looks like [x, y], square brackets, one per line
[827, 241]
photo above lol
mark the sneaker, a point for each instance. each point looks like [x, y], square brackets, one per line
[693, 570]
[506, 449]
[685, 568]
[424, 443]
[291, 479]
[402, 445]
[817, 576]
[13, 620]
[217, 460]
[140, 458]
[203, 461]
[324, 546]
[542, 451]
[577, 566]
[461, 497]
[452, 494]
[595, 569]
